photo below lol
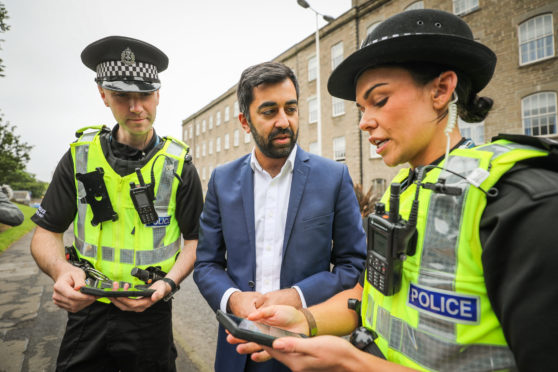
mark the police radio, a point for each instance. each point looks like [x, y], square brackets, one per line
[390, 240]
[142, 196]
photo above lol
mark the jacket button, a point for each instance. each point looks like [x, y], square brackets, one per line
[251, 284]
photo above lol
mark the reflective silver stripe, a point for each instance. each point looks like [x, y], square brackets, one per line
[158, 254]
[438, 354]
[107, 253]
[127, 255]
[85, 249]
[81, 153]
[498, 148]
[164, 192]
[441, 238]
[175, 149]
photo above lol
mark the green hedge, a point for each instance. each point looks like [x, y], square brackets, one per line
[9, 235]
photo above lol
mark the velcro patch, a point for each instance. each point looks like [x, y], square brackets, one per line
[452, 306]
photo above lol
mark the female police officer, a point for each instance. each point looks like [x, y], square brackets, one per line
[462, 278]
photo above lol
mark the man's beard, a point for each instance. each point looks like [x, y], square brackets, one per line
[268, 148]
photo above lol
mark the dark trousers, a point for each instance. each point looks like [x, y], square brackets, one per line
[102, 337]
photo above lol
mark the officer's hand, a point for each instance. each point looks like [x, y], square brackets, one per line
[327, 353]
[66, 294]
[282, 316]
[287, 296]
[140, 304]
[243, 303]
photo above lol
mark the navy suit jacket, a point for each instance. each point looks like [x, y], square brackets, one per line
[324, 247]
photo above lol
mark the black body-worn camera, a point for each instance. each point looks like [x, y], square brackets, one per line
[390, 240]
[142, 196]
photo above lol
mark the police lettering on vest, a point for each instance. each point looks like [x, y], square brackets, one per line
[448, 305]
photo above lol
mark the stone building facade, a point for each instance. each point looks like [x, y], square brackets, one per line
[524, 87]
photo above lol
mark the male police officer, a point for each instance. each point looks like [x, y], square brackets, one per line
[130, 194]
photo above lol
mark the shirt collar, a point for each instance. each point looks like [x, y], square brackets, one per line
[288, 166]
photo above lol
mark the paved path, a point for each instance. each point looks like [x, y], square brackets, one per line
[31, 326]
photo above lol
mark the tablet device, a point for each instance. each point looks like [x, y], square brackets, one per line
[118, 293]
[252, 331]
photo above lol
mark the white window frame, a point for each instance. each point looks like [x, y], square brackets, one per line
[197, 128]
[247, 137]
[218, 118]
[373, 154]
[313, 147]
[312, 68]
[548, 117]
[218, 144]
[312, 110]
[191, 131]
[203, 126]
[415, 5]
[227, 144]
[227, 113]
[236, 138]
[198, 153]
[210, 146]
[461, 7]
[204, 148]
[339, 148]
[336, 54]
[211, 121]
[236, 110]
[474, 131]
[527, 36]
[337, 106]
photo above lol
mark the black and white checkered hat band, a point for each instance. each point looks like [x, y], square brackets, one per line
[118, 70]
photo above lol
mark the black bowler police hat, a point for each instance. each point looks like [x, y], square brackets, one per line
[125, 64]
[422, 35]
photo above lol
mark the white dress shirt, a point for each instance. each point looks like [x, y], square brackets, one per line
[271, 203]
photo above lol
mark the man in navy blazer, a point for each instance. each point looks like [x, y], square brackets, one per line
[279, 225]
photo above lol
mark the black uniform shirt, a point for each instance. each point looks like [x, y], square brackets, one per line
[58, 208]
[518, 234]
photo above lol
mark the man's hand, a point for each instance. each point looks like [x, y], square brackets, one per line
[287, 296]
[141, 304]
[66, 294]
[243, 303]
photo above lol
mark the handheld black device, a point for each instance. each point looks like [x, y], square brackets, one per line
[390, 240]
[252, 331]
[142, 196]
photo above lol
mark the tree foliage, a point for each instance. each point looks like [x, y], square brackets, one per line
[3, 28]
[14, 155]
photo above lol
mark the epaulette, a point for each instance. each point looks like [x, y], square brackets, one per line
[102, 128]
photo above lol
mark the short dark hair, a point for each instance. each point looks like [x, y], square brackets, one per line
[267, 72]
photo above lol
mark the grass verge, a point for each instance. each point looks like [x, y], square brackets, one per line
[9, 235]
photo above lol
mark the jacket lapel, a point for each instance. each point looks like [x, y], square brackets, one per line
[247, 187]
[300, 175]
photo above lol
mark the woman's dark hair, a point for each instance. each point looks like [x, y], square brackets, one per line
[470, 107]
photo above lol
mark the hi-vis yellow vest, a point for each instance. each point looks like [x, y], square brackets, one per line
[441, 319]
[115, 247]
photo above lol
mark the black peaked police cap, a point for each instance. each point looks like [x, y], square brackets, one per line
[125, 64]
[422, 35]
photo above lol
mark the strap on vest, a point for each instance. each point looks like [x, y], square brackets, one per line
[543, 143]
[103, 128]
